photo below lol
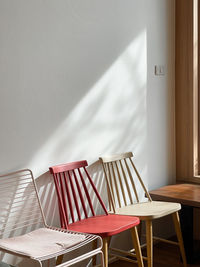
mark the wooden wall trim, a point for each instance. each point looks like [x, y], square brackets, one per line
[186, 85]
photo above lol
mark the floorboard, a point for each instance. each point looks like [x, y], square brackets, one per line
[165, 255]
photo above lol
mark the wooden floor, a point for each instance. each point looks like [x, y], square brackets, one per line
[165, 255]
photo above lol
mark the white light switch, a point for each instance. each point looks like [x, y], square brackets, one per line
[159, 70]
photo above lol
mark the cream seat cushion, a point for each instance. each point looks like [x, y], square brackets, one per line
[149, 210]
[41, 243]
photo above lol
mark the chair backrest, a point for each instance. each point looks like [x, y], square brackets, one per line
[119, 172]
[75, 190]
[20, 208]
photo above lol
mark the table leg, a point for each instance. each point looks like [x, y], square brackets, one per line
[186, 219]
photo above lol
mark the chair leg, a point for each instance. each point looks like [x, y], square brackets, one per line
[59, 259]
[94, 246]
[137, 247]
[105, 250]
[109, 239]
[179, 236]
[102, 259]
[139, 229]
[149, 241]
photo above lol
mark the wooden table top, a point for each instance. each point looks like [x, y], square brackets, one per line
[186, 194]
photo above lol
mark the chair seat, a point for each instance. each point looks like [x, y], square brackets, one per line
[105, 225]
[41, 243]
[149, 210]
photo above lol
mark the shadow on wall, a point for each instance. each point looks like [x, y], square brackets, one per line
[110, 118]
[48, 198]
[56, 105]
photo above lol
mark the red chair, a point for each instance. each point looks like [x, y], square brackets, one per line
[75, 189]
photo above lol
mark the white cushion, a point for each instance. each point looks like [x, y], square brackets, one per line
[41, 243]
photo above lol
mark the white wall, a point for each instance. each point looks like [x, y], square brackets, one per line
[161, 93]
[77, 81]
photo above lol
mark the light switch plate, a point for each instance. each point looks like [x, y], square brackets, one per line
[159, 70]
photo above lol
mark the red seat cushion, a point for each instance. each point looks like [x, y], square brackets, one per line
[105, 225]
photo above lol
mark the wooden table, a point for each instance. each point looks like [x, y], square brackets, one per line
[189, 196]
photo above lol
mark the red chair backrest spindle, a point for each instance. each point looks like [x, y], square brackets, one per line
[74, 200]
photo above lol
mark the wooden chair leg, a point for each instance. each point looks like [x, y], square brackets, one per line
[59, 259]
[149, 241]
[109, 239]
[179, 236]
[137, 247]
[105, 250]
[94, 246]
[139, 229]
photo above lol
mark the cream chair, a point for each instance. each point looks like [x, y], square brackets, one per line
[123, 194]
[23, 229]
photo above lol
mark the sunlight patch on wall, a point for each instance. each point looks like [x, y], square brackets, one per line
[110, 118]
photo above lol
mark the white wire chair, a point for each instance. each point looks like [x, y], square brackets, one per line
[24, 231]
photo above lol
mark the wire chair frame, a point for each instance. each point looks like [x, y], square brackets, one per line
[19, 196]
[21, 212]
